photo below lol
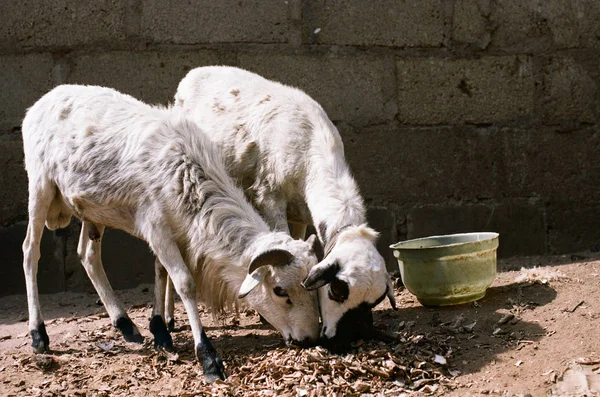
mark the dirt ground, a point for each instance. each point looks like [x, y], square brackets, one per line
[536, 332]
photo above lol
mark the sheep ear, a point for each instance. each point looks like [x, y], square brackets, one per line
[275, 257]
[390, 293]
[251, 281]
[316, 246]
[320, 275]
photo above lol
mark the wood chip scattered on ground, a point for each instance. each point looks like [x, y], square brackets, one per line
[412, 363]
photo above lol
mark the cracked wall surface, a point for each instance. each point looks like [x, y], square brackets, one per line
[460, 115]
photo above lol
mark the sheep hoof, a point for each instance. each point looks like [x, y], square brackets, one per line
[212, 365]
[162, 338]
[40, 341]
[129, 330]
[213, 369]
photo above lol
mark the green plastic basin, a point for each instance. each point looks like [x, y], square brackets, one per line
[450, 269]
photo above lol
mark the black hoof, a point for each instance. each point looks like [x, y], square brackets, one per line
[129, 330]
[213, 370]
[39, 339]
[171, 325]
[162, 338]
[212, 365]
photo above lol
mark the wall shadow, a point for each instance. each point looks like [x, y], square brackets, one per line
[13, 308]
[516, 263]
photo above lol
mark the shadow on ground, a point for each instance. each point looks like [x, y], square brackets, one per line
[474, 334]
[527, 262]
[470, 335]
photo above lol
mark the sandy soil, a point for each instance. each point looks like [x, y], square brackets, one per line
[519, 340]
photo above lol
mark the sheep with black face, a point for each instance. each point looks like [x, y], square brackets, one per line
[289, 157]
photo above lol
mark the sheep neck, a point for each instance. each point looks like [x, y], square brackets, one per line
[331, 192]
[215, 226]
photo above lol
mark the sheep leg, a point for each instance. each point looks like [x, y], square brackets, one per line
[89, 250]
[40, 197]
[168, 254]
[170, 305]
[168, 297]
[162, 338]
[298, 230]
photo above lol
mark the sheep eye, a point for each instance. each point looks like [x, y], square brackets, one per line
[280, 292]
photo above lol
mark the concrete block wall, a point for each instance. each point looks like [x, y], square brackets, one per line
[456, 115]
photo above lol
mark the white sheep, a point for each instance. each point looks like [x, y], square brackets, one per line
[114, 161]
[289, 157]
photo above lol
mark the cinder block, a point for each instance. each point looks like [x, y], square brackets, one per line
[458, 91]
[207, 21]
[543, 26]
[50, 274]
[470, 23]
[431, 165]
[572, 24]
[383, 221]
[544, 164]
[570, 92]
[356, 89]
[518, 26]
[23, 80]
[415, 166]
[60, 23]
[149, 76]
[127, 261]
[573, 227]
[439, 219]
[405, 23]
[521, 225]
[13, 180]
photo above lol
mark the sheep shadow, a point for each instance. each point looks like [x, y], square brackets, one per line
[231, 345]
[475, 342]
[474, 333]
